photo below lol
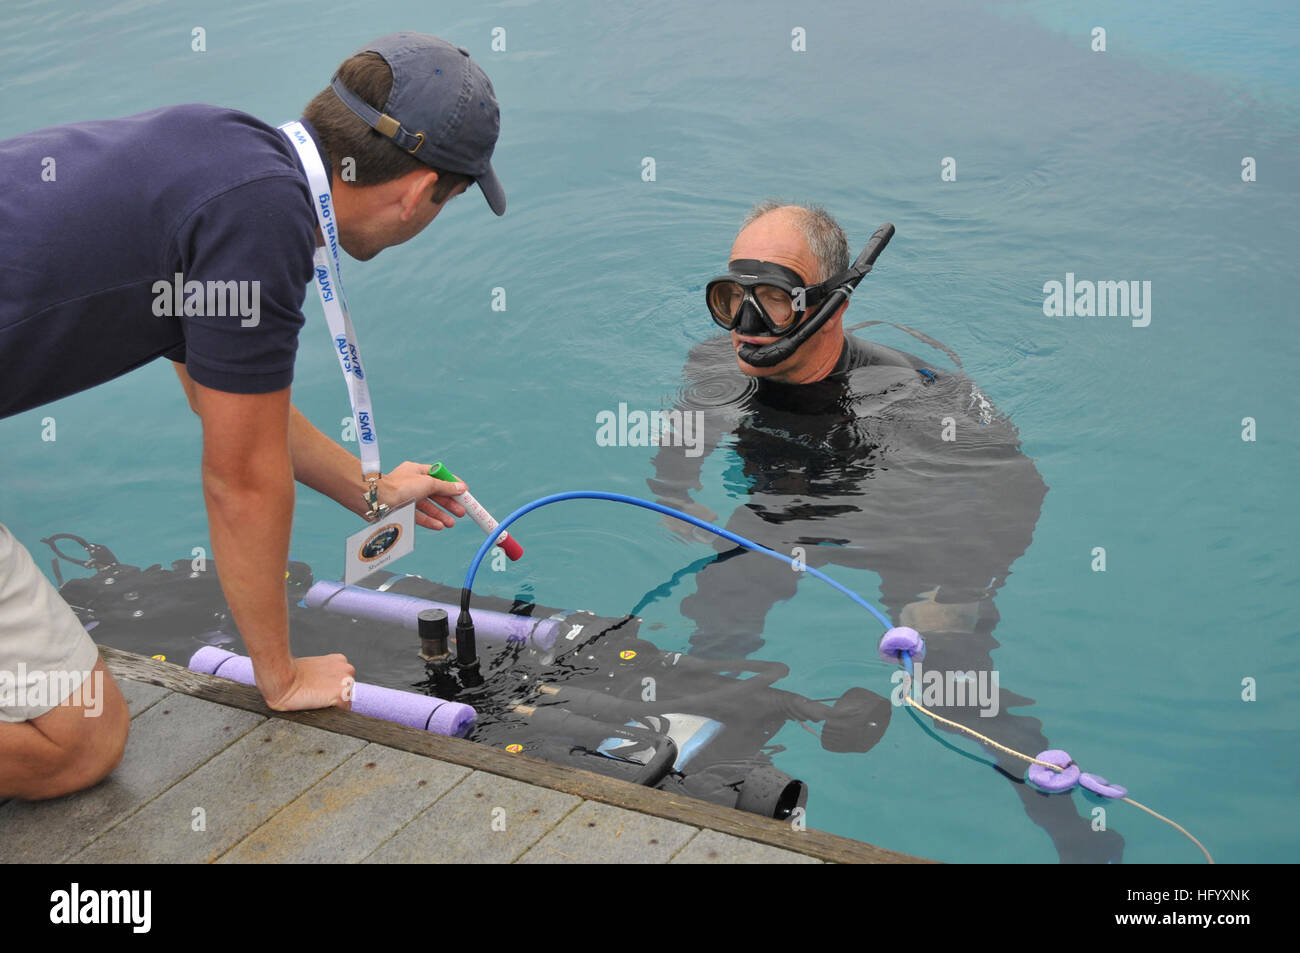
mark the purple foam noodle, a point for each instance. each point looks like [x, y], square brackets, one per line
[1055, 781]
[1100, 786]
[398, 609]
[408, 708]
[901, 639]
[425, 712]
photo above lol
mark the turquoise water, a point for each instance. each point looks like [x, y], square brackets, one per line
[1117, 165]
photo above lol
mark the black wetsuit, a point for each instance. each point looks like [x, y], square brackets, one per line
[884, 465]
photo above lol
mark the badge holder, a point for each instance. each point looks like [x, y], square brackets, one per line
[389, 536]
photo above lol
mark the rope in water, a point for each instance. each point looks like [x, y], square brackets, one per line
[904, 656]
[907, 696]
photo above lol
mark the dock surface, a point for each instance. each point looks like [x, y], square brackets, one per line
[211, 775]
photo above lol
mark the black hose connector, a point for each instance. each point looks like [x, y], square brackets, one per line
[467, 651]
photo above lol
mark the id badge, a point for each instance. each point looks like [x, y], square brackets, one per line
[380, 543]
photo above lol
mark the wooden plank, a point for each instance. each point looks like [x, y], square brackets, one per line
[584, 784]
[485, 819]
[234, 792]
[351, 811]
[166, 743]
[710, 847]
[605, 834]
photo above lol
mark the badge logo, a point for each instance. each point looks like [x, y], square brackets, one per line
[381, 541]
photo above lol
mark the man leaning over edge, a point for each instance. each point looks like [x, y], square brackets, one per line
[214, 195]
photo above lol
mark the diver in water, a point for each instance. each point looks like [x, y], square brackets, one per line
[190, 232]
[853, 453]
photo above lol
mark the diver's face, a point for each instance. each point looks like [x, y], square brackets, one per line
[777, 238]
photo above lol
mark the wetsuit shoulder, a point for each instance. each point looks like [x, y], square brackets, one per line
[859, 352]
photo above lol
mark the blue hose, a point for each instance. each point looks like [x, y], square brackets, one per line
[658, 508]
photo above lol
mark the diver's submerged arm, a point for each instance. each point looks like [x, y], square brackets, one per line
[678, 466]
[678, 470]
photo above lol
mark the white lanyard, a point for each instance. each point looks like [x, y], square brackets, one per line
[329, 282]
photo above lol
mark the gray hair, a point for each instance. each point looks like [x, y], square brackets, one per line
[826, 240]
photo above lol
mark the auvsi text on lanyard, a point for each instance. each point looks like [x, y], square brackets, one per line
[329, 283]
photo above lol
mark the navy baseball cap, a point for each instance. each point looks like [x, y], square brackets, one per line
[442, 108]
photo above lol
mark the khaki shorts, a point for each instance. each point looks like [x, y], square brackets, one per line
[45, 654]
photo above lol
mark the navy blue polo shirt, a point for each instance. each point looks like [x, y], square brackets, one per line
[94, 215]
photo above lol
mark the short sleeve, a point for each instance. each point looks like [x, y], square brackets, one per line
[245, 260]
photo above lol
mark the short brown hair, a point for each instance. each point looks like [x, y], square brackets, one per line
[344, 134]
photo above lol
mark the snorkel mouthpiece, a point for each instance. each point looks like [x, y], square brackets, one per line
[769, 355]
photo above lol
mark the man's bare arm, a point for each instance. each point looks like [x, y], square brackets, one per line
[323, 465]
[248, 487]
[326, 467]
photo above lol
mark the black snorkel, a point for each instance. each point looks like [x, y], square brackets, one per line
[769, 355]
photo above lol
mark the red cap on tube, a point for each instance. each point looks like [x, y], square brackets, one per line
[512, 548]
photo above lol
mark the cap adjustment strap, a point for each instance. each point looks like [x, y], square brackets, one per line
[382, 123]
